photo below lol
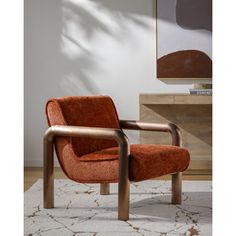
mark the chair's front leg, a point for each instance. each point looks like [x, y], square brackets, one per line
[105, 189]
[176, 188]
[123, 189]
[48, 174]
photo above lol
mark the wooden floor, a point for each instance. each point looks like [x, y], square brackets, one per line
[32, 174]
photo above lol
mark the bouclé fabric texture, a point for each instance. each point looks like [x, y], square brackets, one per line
[89, 160]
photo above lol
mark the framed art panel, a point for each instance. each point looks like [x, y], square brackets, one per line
[184, 39]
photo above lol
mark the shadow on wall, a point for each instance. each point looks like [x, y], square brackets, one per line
[62, 34]
[63, 53]
[83, 22]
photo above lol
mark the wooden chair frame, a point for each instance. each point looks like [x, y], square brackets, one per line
[124, 152]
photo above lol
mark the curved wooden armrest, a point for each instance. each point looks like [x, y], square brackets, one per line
[90, 132]
[170, 127]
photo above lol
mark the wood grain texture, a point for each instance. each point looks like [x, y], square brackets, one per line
[171, 98]
[192, 99]
[156, 99]
[194, 120]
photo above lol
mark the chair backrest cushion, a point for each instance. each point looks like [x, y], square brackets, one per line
[89, 111]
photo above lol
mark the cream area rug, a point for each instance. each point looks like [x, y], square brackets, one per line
[81, 210]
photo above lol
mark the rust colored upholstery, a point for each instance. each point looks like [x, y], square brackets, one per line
[97, 161]
[146, 160]
[93, 111]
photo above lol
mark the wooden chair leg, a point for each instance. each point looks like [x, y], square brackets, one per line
[105, 189]
[177, 188]
[123, 201]
[48, 175]
[123, 188]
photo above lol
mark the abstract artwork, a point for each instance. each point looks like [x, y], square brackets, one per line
[184, 39]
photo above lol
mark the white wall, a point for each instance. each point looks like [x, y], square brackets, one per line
[84, 47]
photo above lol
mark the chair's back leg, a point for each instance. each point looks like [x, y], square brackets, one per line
[48, 174]
[177, 188]
[105, 189]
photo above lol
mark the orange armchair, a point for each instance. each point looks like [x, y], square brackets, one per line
[92, 148]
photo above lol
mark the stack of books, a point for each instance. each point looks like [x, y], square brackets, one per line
[200, 91]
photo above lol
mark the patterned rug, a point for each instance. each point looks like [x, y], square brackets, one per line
[81, 210]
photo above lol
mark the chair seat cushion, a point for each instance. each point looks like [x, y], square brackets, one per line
[146, 160]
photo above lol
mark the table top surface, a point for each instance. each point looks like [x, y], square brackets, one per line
[174, 98]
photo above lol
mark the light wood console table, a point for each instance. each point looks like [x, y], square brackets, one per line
[192, 113]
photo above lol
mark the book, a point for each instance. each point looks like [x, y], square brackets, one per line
[201, 91]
